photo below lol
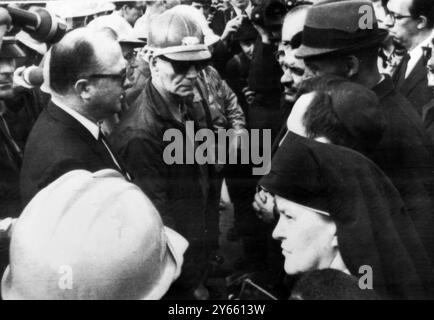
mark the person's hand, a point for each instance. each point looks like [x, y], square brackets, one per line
[232, 26]
[19, 80]
[264, 206]
[249, 95]
[5, 22]
[265, 35]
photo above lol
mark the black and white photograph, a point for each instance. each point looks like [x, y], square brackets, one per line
[233, 151]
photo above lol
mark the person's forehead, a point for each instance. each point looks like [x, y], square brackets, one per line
[400, 6]
[293, 24]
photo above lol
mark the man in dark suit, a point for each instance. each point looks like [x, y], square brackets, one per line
[410, 23]
[10, 153]
[87, 80]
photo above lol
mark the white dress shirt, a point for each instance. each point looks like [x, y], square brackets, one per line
[248, 10]
[415, 55]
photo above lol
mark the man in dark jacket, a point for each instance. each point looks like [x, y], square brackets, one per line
[405, 151]
[411, 23]
[181, 190]
[87, 75]
[10, 152]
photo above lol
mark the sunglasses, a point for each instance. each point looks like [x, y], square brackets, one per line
[182, 67]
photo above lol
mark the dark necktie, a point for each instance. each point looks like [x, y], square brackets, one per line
[399, 76]
[13, 151]
[118, 163]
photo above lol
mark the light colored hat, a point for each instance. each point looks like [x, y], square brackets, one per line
[33, 44]
[210, 37]
[78, 8]
[123, 29]
[178, 36]
[92, 236]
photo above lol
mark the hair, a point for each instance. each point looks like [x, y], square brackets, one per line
[74, 57]
[423, 8]
[322, 119]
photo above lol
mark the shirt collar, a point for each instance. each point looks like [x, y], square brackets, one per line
[248, 10]
[418, 50]
[92, 127]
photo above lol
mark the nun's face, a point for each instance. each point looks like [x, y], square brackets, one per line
[308, 238]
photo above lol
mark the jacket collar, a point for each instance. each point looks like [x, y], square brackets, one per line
[384, 88]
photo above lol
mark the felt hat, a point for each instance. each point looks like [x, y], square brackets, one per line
[339, 26]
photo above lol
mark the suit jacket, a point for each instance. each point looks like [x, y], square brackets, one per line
[428, 118]
[57, 144]
[405, 155]
[415, 87]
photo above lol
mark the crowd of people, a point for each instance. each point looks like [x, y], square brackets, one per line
[91, 207]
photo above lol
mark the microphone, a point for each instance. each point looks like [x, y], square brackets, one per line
[33, 75]
[39, 23]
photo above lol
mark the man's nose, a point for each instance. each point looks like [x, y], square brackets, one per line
[388, 21]
[278, 233]
[287, 78]
[192, 72]
[129, 80]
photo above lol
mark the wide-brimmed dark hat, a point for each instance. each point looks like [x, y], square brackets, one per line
[334, 26]
[373, 227]
[10, 49]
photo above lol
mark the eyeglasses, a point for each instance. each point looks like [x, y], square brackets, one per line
[394, 16]
[120, 76]
[182, 67]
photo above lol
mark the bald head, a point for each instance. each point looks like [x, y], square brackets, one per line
[81, 52]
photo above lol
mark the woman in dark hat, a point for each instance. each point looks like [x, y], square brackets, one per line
[348, 114]
[338, 210]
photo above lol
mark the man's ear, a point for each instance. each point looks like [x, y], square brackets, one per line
[153, 65]
[335, 241]
[423, 23]
[352, 66]
[83, 89]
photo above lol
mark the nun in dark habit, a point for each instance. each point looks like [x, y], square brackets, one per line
[338, 210]
[348, 114]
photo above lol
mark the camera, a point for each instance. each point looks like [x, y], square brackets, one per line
[39, 23]
[270, 14]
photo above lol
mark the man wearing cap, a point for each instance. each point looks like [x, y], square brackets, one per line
[87, 80]
[335, 43]
[129, 44]
[182, 193]
[130, 11]
[411, 23]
